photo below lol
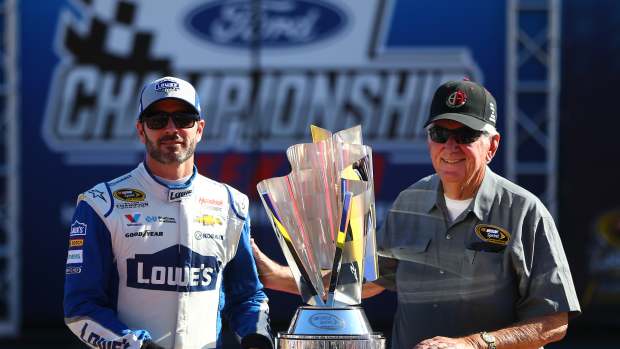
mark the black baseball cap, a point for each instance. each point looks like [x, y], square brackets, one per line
[464, 101]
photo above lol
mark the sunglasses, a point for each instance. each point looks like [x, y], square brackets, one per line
[159, 120]
[462, 135]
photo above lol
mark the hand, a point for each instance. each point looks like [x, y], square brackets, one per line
[446, 342]
[268, 270]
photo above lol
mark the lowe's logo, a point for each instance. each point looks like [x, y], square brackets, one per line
[177, 195]
[176, 269]
[283, 22]
[78, 229]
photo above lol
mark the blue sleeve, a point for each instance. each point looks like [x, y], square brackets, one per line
[91, 283]
[246, 306]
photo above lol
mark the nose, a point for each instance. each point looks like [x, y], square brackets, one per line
[451, 144]
[170, 126]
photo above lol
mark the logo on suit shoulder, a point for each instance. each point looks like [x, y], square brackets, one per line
[76, 242]
[97, 194]
[75, 257]
[73, 270]
[129, 195]
[78, 229]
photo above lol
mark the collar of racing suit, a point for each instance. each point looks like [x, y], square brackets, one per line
[169, 192]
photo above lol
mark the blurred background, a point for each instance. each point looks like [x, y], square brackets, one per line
[265, 70]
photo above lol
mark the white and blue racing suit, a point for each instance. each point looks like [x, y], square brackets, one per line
[153, 261]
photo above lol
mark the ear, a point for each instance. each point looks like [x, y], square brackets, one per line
[140, 130]
[493, 146]
[199, 129]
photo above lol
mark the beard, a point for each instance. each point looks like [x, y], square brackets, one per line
[169, 154]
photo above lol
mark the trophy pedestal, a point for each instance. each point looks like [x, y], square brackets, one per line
[330, 328]
[293, 341]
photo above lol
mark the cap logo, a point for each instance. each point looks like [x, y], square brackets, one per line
[456, 99]
[167, 85]
[492, 117]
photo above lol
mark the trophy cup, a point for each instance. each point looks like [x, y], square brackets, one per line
[324, 217]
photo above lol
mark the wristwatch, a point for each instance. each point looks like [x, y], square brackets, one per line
[488, 339]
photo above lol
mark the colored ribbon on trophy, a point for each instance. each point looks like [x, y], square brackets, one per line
[340, 239]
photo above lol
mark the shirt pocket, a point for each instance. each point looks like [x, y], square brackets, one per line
[483, 266]
[409, 235]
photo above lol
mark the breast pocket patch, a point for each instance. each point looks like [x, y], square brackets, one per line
[491, 238]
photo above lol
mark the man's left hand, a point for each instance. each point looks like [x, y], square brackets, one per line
[447, 343]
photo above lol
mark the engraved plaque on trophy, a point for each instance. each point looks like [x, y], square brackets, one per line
[323, 214]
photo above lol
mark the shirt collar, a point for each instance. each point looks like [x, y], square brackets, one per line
[435, 192]
[483, 199]
[485, 195]
[185, 185]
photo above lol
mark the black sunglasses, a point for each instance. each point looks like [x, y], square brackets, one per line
[462, 135]
[159, 120]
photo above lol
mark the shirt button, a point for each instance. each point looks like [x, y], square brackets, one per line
[448, 237]
[441, 271]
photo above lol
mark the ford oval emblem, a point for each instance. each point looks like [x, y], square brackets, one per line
[283, 23]
[326, 321]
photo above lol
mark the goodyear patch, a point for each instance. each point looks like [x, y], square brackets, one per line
[76, 243]
[493, 234]
[129, 195]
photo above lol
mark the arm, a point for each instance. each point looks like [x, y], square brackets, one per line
[246, 305]
[532, 333]
[279, 277]
[91, 283]
[273, 275]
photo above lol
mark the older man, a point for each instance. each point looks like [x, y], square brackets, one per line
[476, 260]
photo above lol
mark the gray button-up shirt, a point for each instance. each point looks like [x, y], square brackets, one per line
[499, 262]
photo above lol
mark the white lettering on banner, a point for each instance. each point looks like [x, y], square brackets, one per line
[72, 122]
[236, 24]
[319, 62]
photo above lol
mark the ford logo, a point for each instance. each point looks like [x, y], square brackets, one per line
[326, 321]
[283, 23]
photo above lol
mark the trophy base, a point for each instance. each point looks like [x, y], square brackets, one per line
[296, 341]
[330, 328]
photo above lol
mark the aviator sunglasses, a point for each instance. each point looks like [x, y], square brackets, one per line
[159, 120]
[462, 135]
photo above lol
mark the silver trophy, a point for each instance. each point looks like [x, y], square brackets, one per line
[323, 214]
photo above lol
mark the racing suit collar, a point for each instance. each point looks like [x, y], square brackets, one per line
[185, 185]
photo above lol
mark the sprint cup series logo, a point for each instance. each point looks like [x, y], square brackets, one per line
[320, 62]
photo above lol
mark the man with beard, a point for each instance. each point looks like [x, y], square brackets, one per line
[157, 255]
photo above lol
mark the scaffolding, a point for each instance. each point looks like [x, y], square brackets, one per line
[9, 174]
[532, 93]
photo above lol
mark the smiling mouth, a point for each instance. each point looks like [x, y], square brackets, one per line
[452, 162]
[171, 142]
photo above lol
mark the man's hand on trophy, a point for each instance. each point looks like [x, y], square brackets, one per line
[273, 275]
